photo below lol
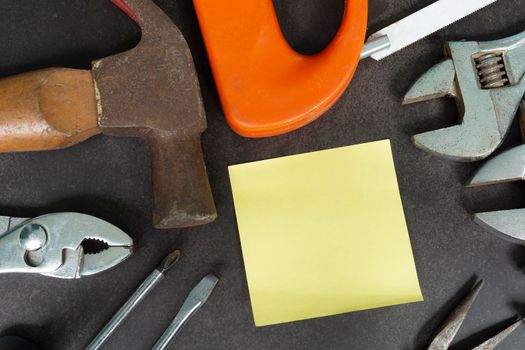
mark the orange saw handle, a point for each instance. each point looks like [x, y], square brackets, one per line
[266, 88]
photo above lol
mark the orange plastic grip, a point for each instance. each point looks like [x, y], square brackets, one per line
[266, 88]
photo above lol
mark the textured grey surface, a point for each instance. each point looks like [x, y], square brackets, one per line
[109, 177]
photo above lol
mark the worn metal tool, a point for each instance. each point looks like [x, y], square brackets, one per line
[52, 245]
[140, 294]
[266, 88]
[508, 166]
[486, 79]
[419, 25]
[195, 300]
[150, 91]
[448, 330]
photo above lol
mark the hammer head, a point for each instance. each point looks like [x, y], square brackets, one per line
[152, 91]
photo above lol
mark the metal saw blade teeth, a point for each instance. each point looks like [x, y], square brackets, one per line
[393, 34]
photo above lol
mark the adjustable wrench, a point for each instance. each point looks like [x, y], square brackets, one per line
[508, 166]
[486, 80]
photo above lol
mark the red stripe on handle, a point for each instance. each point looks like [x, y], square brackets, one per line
[124, 7]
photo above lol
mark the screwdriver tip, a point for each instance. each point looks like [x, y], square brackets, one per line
[169, 261]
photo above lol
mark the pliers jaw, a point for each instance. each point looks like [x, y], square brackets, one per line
[51, 245]
[486, 79]
[448, 330]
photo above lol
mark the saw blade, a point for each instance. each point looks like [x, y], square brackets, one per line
[424, 22]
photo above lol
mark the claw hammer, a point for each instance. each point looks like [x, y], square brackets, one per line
[150, 91]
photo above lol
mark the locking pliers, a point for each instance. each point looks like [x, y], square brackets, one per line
[52, 245]
[486, 80]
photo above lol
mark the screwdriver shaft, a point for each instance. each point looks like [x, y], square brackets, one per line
[140, 294]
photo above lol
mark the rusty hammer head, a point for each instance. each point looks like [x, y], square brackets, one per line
[152, 91]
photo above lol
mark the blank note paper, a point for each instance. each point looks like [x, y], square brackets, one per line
[323, 233]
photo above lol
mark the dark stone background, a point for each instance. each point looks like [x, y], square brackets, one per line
[109, 178]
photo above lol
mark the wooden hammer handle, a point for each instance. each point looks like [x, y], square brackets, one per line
[47, 109]
[181, 191]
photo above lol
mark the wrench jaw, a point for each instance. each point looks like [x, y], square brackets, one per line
[506, 224]
[509, 166]
[476, 137]
[437, 82]
[486, 79]
[456, 143]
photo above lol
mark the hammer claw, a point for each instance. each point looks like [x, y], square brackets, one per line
[152, 92]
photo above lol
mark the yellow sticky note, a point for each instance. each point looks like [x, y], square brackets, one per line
[323, 233]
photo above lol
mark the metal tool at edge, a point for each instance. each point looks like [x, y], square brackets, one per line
[419, 25]
[195, 300]
[142, 291]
